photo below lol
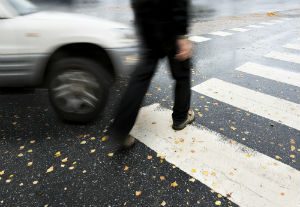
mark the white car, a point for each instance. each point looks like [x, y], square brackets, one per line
[76, 57]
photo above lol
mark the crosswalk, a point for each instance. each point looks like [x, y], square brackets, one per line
[251, 178]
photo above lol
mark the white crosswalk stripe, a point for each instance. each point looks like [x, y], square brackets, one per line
[272, 73]
[270, 107]
[198, 39]
[251, 178]
[288, 57]
[256, 26]
[239, 29]
[221, 33]
[267, 23]
[292, 46]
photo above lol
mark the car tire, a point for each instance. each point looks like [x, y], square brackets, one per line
[78, 89]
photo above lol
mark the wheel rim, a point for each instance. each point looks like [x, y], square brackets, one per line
[76, 92]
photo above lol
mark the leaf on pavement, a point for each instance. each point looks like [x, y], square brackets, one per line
[57, 154]
[64, 160]
[218, 203]
[138, 193]
[174, 184]
[50, 169]
[163, 203]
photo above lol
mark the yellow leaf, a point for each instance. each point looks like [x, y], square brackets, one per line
[149, 157]
[163, 203]
[8, 181]
[20, 155]
[64, 160]
[32, 141]
[292, 156]
[218, 203]
[162, 178]
[29, 151]
[93, 151]
[83, 142]
[138, 193]
[57, 154]
[35, 182]
[278, 157]
[50, 169]
[213, 173]
[192, 180]
[126, 168]
[194, 170]
[22, 147]
[2, 172]
[71, 168]
[29, 164]
[233, 128]
[93, 138]
[205, 173]
[270, 14]
[219, 195]
[248, 155]
[174, 184]
[105, 138]
[110, 154]
[293, 148]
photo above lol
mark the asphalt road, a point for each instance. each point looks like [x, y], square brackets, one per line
[45, 162]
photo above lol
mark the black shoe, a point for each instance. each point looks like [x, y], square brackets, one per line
[190, 118]
[128, 142]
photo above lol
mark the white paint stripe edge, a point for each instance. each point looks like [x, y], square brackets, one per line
[289, 57]
[221, 33]
[292, 46]
[271, 73]
[198, 38]
[270, 107]
[239, 29]
[266, 23]
[255, 26]
[251, 178]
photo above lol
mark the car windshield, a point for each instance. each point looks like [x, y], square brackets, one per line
[23, 7]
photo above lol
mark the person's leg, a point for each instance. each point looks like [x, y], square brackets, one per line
[133, 97]
[181, 71]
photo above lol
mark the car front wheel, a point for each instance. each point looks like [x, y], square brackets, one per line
[78, 89]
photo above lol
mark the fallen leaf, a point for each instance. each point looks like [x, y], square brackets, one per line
[270, 14]
[126, 168]
[29, 151]
[233, 128]
[83, 142]
[194, 170]
[218, 203]
[292, 156]
[84, 171]
[149, 157]
[50, 169]
[105, 138]
[292, 141]
[110, 154]
[138, 193]
[22, 147]
[278, 157]
[57, 154]
[29, 164]
[93, 151]
[219, 195]
[174, 184]
[2, 172]
[8, 181]
[71, 168]
[248, 155]
[64, 160]
[163, 203]
[293, 148]
[62, 165]
[32, 141]
[21, 184]
[205, 173]
[213, 173]
[35, 182]
[282, 194]
[20, 155]
[93, 138]
[162, 178]
[192, 180]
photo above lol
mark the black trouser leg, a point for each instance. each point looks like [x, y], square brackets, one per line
[133, 97]
[182, 74]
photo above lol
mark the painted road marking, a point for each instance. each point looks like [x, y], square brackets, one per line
[198, 39]
[270, 107]
[277, 21]
[267, 23]
[221, 33]
[239, 29]
[247, 177]
[288, 57]
[255, 26]
[292, 46]
[272, 73]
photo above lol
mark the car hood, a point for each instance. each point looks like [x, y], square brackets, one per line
[82, 21]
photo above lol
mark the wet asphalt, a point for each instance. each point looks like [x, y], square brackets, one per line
[46, 162]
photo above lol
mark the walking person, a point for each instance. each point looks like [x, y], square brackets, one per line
[163, 27]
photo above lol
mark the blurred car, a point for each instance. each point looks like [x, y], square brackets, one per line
[76, 57]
